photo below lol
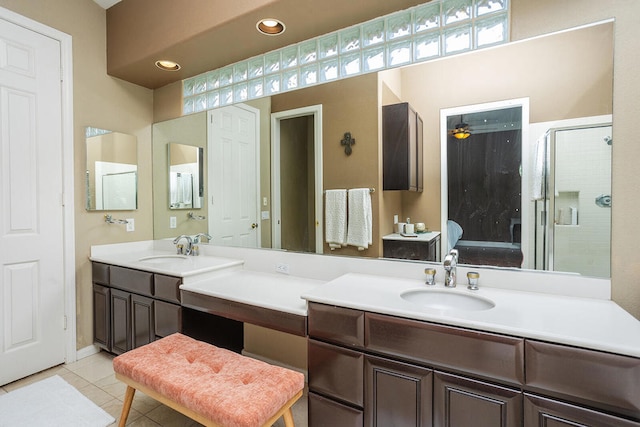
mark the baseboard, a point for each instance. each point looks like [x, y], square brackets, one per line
[87, 351]
[276, 363]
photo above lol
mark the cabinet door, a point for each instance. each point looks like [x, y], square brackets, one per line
[101, 316]
[142, 321]
[397, 394]
[463, 402]
[543, 412]
[167, 318]
[120, 321]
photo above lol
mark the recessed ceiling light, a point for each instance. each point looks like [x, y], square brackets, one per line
[270, 26]
[167, 65]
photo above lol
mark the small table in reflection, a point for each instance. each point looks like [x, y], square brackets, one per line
[423, 247]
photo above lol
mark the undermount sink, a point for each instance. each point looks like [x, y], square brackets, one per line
[447, 300]
[160, 259]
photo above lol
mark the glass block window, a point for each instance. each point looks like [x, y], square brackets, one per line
[421, 33]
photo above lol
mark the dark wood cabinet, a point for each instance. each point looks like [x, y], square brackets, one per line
[324, 412]
[465, 402]
[132, 308]
[411, 248]
[397, 394]
[544, 412]
[102, 316]
[120, 321]
[402, 135]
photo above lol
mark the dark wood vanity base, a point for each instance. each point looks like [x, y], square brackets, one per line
[369, 369]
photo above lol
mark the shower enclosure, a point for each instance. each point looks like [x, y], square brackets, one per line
[572, 196]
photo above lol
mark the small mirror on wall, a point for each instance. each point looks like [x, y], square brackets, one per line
[112, 170]
[186, 186]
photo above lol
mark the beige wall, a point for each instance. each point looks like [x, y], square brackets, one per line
[103, 102]
[349, 105]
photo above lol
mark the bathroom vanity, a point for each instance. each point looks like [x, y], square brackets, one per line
[385, 349]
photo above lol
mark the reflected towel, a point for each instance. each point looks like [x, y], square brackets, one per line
[335, 215]
[537, 180]
[359, 229]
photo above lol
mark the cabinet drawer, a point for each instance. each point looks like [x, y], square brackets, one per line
[336, 371]
[139, 282]
[495, 357]
[167, 288]
[602, 380]
[336, 324]
[540, 411]
[100, 273]
[168, 318]
[327, 413]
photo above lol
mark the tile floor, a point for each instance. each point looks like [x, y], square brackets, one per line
[93, 376]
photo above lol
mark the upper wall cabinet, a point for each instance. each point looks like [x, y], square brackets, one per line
[401, 148]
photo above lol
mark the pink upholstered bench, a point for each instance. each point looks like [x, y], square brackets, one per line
[213, 386]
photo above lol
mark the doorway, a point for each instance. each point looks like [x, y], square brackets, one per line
[296, 156]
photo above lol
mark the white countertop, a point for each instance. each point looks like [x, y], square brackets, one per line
[583, 322]
[419, 237]
[274, 291]
[158, 259]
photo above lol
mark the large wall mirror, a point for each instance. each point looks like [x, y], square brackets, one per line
[543, 71]
[111, 170]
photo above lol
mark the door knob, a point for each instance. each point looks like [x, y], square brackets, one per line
[254, 225]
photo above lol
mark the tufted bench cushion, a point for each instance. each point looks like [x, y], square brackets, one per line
[227, 388]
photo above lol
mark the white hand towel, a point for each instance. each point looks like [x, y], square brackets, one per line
[359, 229]
[335, 214]
[538, 181]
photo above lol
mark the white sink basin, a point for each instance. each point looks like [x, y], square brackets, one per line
[447, 300]
[161, 259]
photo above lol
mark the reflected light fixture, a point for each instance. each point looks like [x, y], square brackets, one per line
[461, 131]
[270, 26]
[166, 65]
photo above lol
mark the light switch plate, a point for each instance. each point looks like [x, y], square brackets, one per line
[172, 222]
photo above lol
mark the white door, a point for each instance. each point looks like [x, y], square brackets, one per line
[32, 336]
[233, 176]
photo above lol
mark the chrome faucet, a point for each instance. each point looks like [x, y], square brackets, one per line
[183, 250]
[196, 238]
[450, 263]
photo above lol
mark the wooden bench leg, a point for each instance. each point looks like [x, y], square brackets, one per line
[288, 418]
[126, 407]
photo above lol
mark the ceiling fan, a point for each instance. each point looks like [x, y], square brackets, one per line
[461, 130]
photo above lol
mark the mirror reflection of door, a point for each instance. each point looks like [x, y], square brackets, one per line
[233, 178]
[484, 183]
